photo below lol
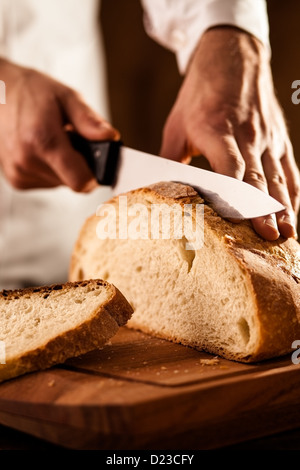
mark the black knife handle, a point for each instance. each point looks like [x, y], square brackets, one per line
[101, 156]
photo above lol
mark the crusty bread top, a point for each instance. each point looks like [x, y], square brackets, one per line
[121, 315]
[282, 253]
[47, 290]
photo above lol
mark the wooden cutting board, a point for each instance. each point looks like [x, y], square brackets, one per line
[141, 392]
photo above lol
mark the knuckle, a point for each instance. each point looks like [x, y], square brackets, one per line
[277, 180]
[294, 184]
[20, 163]
[19, 167]
[295, 191]
[249, 131]
[21, 156]
[16, 178]
[255, 177]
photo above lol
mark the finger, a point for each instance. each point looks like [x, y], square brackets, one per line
[38, 175]
[173, 142]
[25, 181]
[223, 154]
[29, 182]
[85, 120]
[68, 165]
[254, 175]
[292, 176]
[277, 186]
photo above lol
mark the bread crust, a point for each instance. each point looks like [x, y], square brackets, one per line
[272, 271]
[104, 322]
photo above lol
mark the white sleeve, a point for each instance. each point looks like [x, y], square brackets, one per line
[179, 24]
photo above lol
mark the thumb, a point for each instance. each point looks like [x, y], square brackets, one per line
[84, 119]
[173, 145]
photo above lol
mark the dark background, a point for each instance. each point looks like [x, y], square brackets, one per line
[144, 80]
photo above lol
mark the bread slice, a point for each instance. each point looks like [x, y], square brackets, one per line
[46, 325]
[237, 296]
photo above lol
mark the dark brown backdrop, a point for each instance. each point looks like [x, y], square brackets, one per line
[144, 80]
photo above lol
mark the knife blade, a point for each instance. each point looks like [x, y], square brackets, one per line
[125, 169]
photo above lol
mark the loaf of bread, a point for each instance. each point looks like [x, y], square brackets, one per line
[237, 296]
[43, 326]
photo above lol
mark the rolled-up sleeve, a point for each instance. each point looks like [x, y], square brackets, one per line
[179, 24]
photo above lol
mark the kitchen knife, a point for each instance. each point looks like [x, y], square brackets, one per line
[125, 169]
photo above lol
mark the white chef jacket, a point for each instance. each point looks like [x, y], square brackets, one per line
[38, 228]
[179, 24]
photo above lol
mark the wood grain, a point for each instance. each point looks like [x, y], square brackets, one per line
[140, 392]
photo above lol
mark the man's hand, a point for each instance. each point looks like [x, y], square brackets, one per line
[35, 151]
[227, 111]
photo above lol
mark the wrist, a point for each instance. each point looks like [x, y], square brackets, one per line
[233, 39]
[226, 50]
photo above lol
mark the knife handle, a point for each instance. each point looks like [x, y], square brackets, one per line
[101, 157]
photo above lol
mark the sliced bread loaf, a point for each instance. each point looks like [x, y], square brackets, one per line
[43, 326]
[237, 296]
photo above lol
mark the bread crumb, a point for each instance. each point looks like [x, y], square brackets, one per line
[223, 367]
[145, 362]
[51, 383]
[163, 368]
[210, 362]
[228, 238]
[176, 371]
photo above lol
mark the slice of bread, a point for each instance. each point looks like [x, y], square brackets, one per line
[237, 296]
[43, 326]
